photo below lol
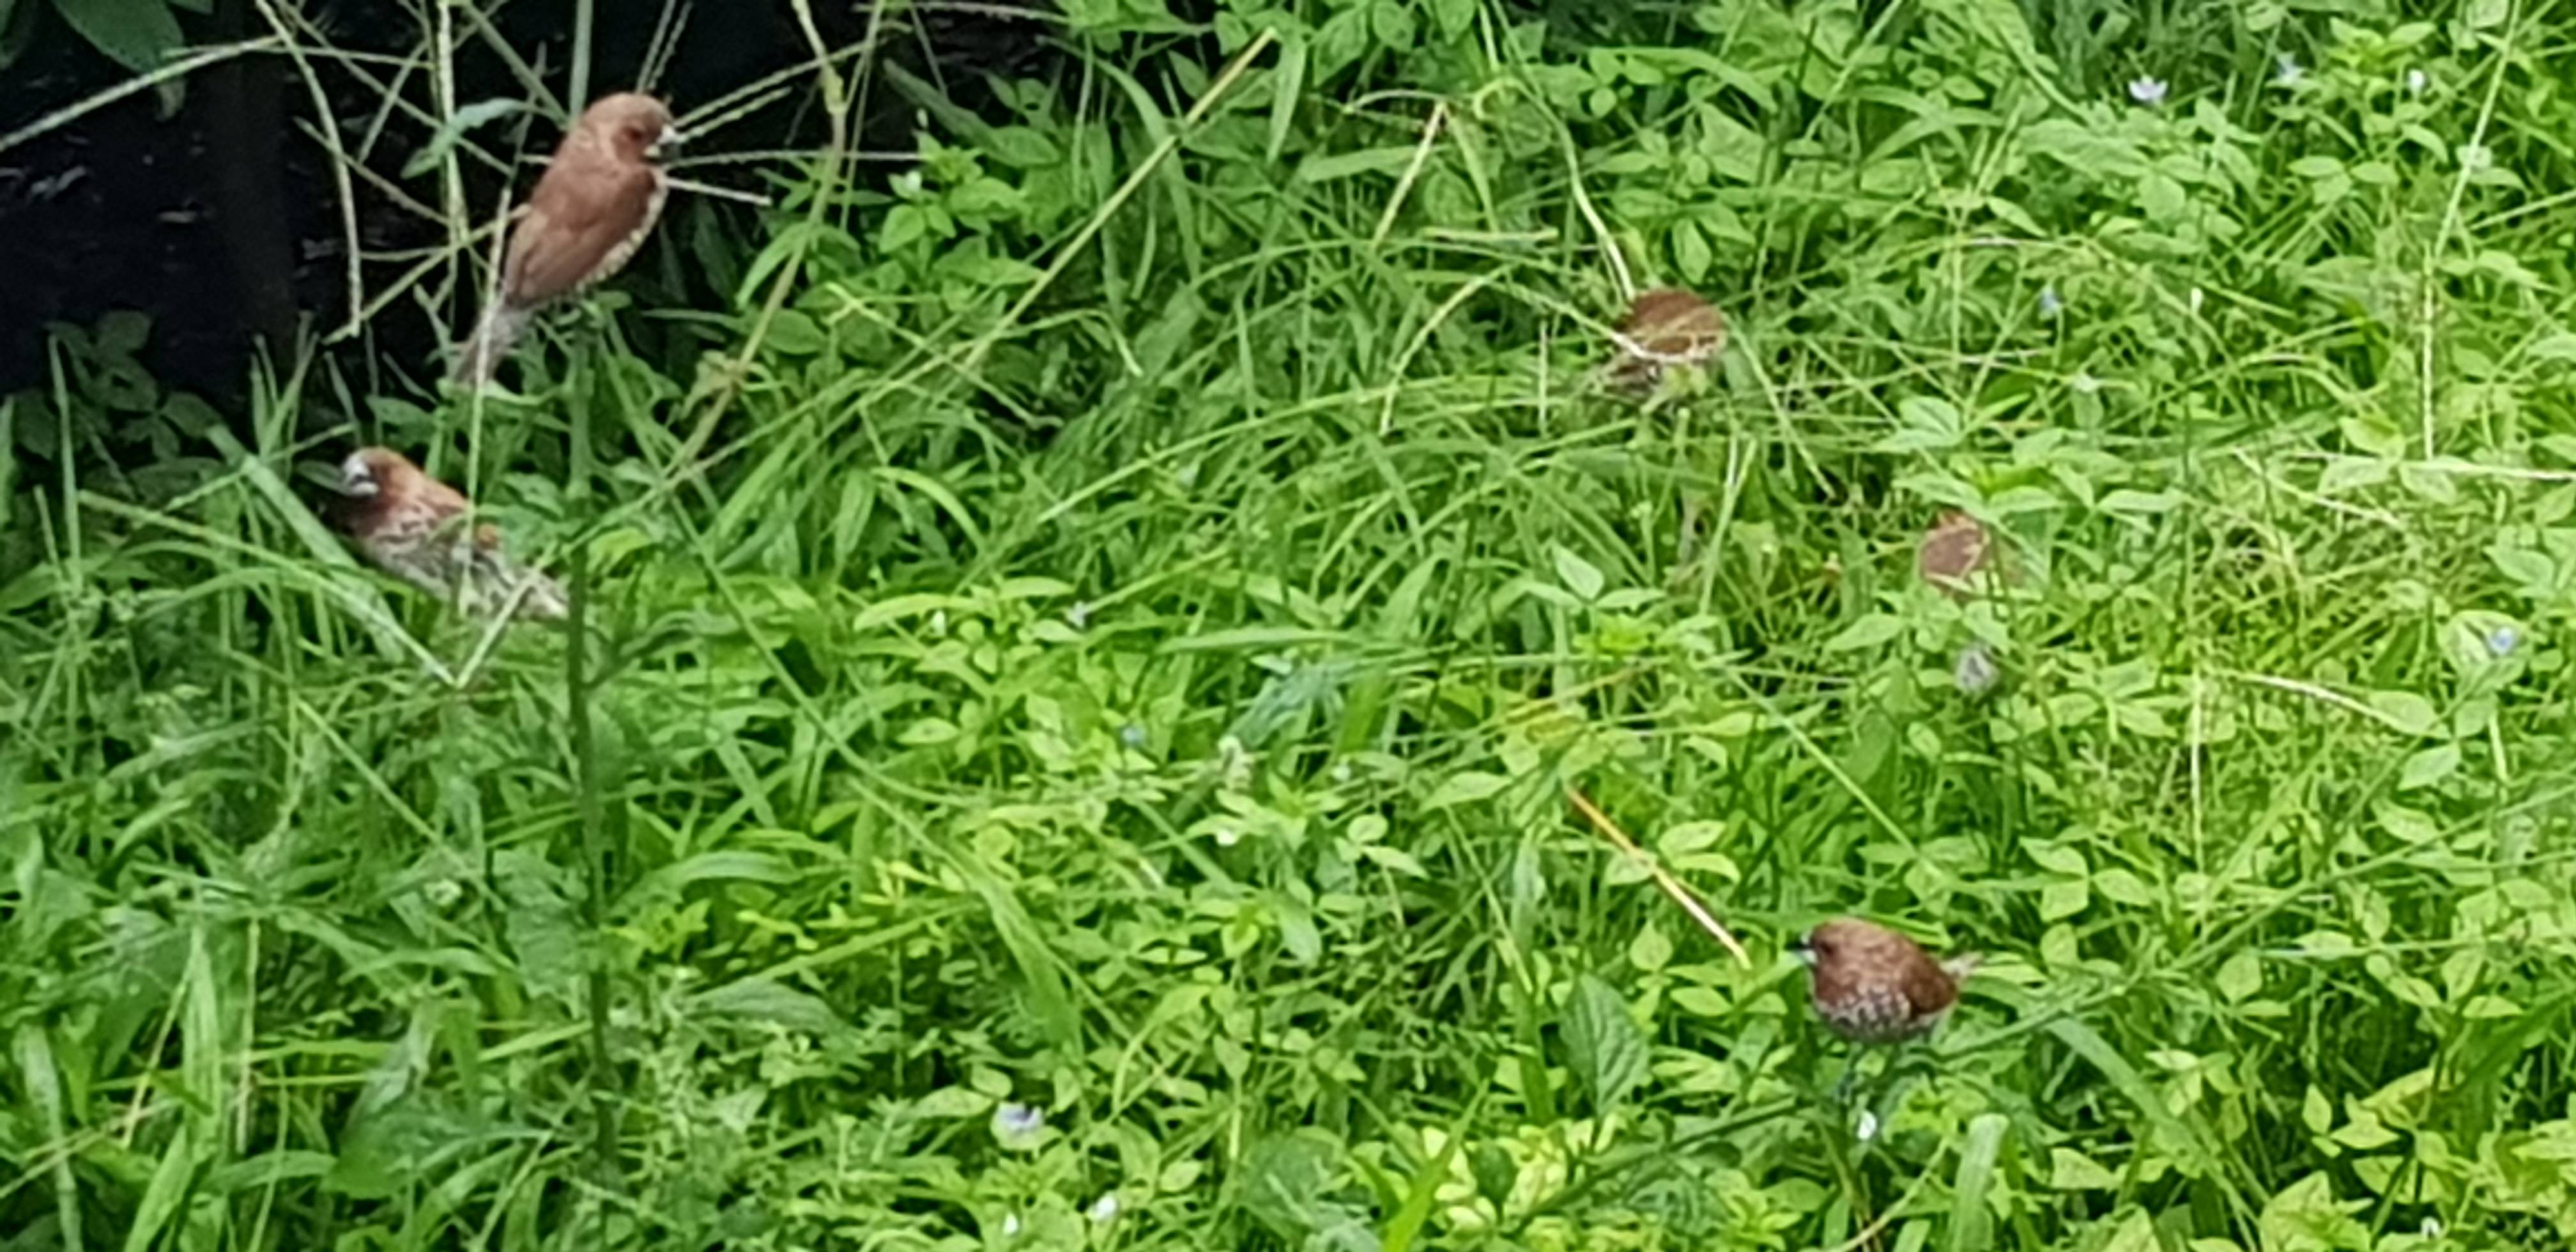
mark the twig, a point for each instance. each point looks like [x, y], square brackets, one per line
[1672, 886]
[721, 193]
[69, 114]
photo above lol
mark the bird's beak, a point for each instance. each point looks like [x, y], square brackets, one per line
[671, 137]
[1799, 948]
[357, 483]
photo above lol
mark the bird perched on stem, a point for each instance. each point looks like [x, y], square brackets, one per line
[591, 210]
[417, 529]
[1873, 985]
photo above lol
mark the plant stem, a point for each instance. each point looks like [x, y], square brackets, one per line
[594, 850]
[577, 94]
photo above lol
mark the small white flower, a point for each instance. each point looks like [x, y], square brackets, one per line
[1011, 1226]
[2147, 91]
[939, 621]
[2196, 299]
[2432, 1228]
[1976, 671]
[1017, 1125]
[1132, 735]
[2475, 156]
[2288, 70]
[1228, 836]
[2084, 383]
[2050, 304]
[1105, 1209]
[1079, 615]
[1868, 1127]
[1342, 773]
[2416, 82]
[2503, 640]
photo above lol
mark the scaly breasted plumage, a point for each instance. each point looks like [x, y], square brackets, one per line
[591, 210]
[415, 528]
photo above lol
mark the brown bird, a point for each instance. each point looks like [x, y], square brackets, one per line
[1954, 552]
[1873, 985]
[1664, 328]
[414, 527]
[593, 207]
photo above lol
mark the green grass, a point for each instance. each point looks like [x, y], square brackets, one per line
[1113, 630]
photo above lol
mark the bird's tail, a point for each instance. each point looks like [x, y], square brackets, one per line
[483, 351]
[545, 600]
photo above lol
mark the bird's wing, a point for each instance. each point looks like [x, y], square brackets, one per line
[439, 499]
[583, 210]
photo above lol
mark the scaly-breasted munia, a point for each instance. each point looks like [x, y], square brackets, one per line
[1873, 985]
[593, 207]
[1664, 328]
[1955, 552]
[1959, 556]
[414, 527]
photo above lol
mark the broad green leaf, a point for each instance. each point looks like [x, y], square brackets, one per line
[760, 1000]
[952, 1102]
[2070, 1170]
[2405, 711]
[1465, 788]
[137, 34]
[1578, 575]
[1650, 950]
[2064, 898]
[1607, 1050]
[2430, 766]
[2241, 976]
[2124, 887]
[1972, 1217]
[1868, 632]
[1284, 1179]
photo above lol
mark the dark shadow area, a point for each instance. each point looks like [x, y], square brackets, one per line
[220, 221]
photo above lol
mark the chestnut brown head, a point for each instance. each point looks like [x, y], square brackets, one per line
[634, 126]
[371, 472]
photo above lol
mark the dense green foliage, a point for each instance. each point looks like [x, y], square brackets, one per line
[1098, 639]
